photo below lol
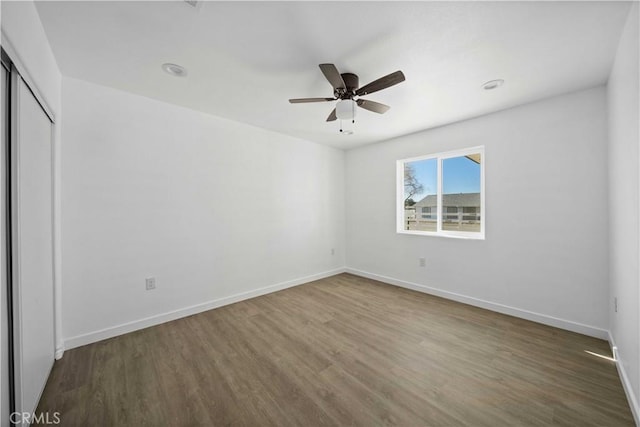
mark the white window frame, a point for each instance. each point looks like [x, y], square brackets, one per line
[400, 220]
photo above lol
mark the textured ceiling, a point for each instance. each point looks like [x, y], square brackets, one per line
[246, 59]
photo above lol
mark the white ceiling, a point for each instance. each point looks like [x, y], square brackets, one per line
[246, 59]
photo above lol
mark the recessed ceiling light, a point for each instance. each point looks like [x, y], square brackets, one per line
[492, 84]
[174, 70]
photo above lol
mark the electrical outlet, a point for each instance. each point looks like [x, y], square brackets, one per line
[423, 262]
[615, 304]
[150, 283]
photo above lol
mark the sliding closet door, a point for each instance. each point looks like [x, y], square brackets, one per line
[4, 307]
[32, 245]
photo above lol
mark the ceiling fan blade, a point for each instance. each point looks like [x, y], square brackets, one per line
[376, 107]
[303, 100]
[382, 83]
[333, 75]
[332, 116]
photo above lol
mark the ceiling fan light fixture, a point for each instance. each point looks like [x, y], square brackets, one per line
[346, 109]
[174, 70]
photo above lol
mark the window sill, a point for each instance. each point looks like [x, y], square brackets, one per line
[448, 234]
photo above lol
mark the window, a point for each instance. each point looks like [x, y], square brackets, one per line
[428, 212]
[470, 213]
[444, 193]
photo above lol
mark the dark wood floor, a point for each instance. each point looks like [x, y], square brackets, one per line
[340, 351]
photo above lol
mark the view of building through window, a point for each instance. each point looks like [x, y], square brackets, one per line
[458, 178]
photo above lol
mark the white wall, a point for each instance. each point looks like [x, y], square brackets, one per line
[624, 188]
[545, 253]
[24, 39]
[210, 207]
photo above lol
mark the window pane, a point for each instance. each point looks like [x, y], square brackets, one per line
[420, 200]
[461, 193]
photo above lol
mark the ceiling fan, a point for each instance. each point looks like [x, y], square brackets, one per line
[347, 92]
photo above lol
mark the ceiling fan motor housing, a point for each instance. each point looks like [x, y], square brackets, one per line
[352, 83]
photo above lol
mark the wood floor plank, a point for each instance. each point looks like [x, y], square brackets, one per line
[340, 351]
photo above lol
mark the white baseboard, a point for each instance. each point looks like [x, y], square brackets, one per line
[500, 308]
[135, 325]
[626, 385]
